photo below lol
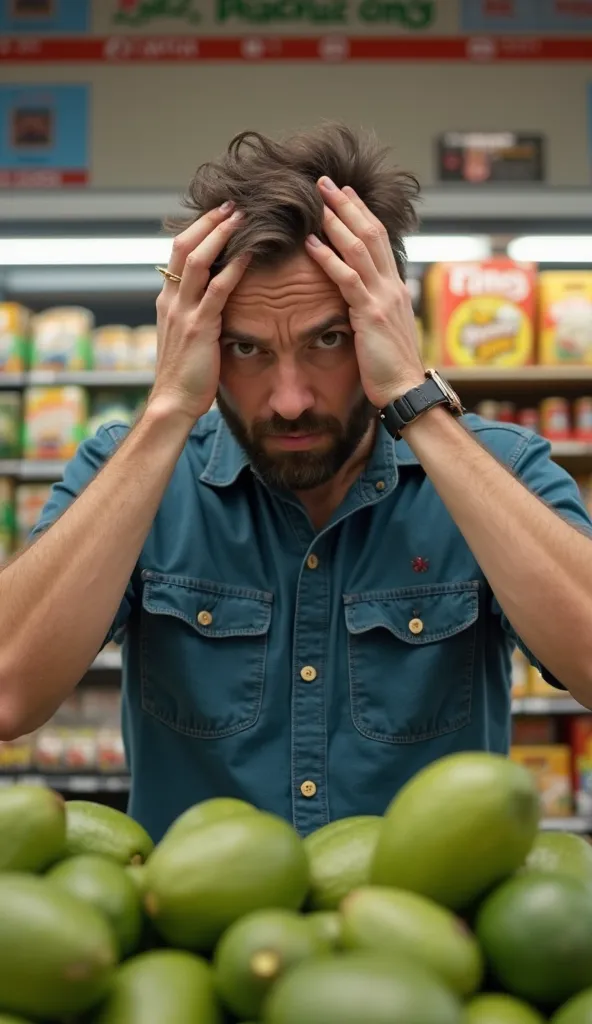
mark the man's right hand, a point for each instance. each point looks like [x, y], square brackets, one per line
[189, 315]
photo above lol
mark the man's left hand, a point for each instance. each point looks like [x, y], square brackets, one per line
[380, 309]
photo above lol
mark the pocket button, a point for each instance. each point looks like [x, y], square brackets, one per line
[204, 618]
[416, 626]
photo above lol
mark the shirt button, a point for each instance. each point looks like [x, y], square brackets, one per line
[204, 618]
[308, 788]
[416, 626]
[312, 561]
[380, 485]
[308, 673]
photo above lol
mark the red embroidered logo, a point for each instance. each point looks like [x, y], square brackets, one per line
[420, 564]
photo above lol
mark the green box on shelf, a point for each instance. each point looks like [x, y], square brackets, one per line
[10, 424]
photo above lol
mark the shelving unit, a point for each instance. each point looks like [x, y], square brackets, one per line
[121, 293]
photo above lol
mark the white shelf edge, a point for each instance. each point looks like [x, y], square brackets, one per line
[90, 378]
[547, 706]
[527, 202]
[110, 660]
[575, 823]
[70, 782]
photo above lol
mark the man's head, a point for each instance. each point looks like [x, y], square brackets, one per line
[289, 385]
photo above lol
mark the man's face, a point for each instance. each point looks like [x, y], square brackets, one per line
[290, 387]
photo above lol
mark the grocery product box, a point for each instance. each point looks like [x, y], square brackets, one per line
[551, 768]
[144, 347]
[520, 674]
[565, 317]
[17, 755]
[539, 687]
[14, 337]
[61, 339]
[54, 422]
[581, 744]
[534, 730]
[112, 348]
[30, 502]
[480, 314]
[10, 424]
[6, 518]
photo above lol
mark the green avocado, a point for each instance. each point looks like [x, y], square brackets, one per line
[199, 884]
[104, 884]
[57, 953]
[97, 828]
[32, 828]
[165, 985]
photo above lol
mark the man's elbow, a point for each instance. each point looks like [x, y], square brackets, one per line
[13, 718]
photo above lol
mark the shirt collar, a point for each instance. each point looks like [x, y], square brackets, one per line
[228, 460]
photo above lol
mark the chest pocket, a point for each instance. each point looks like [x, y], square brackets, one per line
[203, 650]
[411, 656]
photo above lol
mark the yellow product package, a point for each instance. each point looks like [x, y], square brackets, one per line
[144, 347]
[539, 687]
[551, 768]
[112, 348]
[30, 501]
[55, 422]
[520, 675]
[565, 317]
[14, 337]
[61, 339]
[480, 314]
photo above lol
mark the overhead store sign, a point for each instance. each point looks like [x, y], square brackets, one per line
[482, 158]
[44, 133]
[44, 16]
[526, 16]
[151, 31]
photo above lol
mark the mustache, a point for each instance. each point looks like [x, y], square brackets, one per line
[307, 423]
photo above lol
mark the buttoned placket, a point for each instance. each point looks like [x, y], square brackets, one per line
[310, 795]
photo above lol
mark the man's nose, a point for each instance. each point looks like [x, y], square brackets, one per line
[291, 393]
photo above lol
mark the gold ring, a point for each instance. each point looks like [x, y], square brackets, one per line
[167, 273]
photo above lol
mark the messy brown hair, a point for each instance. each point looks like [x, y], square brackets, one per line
[274, 185]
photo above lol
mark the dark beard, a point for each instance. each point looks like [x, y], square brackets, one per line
[300, 470]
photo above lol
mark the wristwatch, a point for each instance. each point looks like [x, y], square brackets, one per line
[434, 391]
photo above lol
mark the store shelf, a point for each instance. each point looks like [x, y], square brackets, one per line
[31, 469]
[12, 380]
[70, 783]
[10, 467]
[548, 706]
[496, 376]
[91, 378]
[571, 449]
[575, 824]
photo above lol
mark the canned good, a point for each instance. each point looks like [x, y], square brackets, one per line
[529, 418]
[555, 419]
[488, 410]
[583, 419]
[507, 412]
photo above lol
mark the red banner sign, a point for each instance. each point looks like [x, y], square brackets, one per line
[42, 178]
[124, 49]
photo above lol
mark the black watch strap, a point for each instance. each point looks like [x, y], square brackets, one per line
[404, 410]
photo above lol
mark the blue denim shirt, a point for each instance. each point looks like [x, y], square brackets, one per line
[261, 654]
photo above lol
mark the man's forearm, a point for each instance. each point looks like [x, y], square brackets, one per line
[538, 566]
[60, 596]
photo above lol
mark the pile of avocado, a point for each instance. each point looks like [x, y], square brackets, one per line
[451, 909]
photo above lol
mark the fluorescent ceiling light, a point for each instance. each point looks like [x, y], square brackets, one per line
[552, 248]
[447, 248]
[27, 252]
[63, 252]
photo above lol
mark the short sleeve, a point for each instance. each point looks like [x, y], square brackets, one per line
[90, 457]
[553, 485]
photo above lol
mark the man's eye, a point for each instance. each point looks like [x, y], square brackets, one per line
[332, 339]
[243, 349]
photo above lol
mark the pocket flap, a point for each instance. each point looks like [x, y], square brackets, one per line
[212, 609]
[417, 615]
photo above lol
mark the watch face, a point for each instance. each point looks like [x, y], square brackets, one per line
[454, 400]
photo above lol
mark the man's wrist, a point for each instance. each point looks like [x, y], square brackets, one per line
[166, 409]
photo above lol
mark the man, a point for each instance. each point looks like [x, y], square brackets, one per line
[313, 606]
